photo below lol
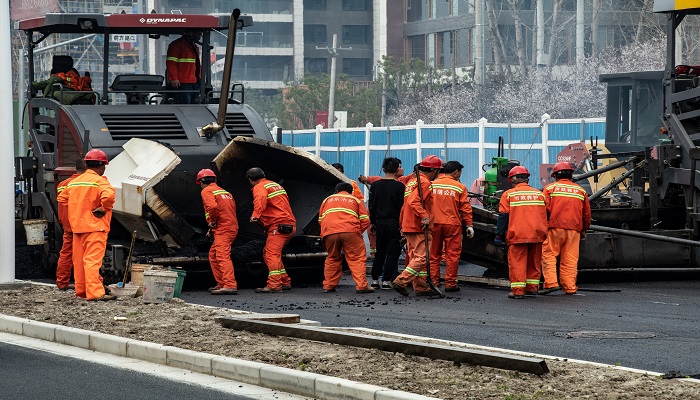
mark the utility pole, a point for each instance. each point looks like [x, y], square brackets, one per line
[479, 43]
[331, 95]
[7, 179]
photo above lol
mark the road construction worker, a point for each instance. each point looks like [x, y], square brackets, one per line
[415, 219]
[523, 221]
[89, 198]
[220, 213]
[343, 218]
[65, 257]
[272, 211]
[183, 67]
[451, 210]
[569, 218]
[357, 192]
[385, 202]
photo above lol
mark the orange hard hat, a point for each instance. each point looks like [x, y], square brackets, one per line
[205, 173]
[518, 170]
[431, 161]
[96, 155]
[562, 166]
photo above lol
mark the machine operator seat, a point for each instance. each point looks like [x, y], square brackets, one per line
[137, 87]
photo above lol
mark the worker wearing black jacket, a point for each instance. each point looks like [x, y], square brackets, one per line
[385, 201]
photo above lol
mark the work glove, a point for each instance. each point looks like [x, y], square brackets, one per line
[425, 222]
[498, 240]
[470, 232]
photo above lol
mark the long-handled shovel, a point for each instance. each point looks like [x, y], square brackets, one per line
[431, 284]
[127, 267]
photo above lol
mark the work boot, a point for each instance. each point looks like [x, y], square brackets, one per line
[429, 292]
[386, 285]
[547, 291]
[67, 287]
[512, 295]
[375, 284]
[401, 289]
[267, 289]
[452, 288]
[330, 290]
[365, 290]
[528, 293]
[104, 297]
[217, 287]
[225, 291]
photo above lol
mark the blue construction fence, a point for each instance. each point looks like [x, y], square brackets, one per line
[362, 150]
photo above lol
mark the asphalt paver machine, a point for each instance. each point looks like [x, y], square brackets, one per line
[157, 147]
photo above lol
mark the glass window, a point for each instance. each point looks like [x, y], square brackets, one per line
[417, 10]
[441, 9]
[463, 7]
[315, 66]
[446, 47]
[315, 34]
[356, 67]
[359, 34]
[416, 45]
[356, 5]
[314, 4]
[464, 47]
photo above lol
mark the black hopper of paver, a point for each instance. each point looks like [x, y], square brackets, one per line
[529, 365]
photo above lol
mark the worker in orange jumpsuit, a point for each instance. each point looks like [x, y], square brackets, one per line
[90, 198]
[415, 218]
[272, 211]
[569, 219]
[184, 67]
[523, 220]
[343, 218]
[65, 257]
[220, 212]
[451, 209]
[357, 192]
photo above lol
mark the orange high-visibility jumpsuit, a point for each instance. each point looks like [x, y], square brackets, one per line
[527, 229]
[343, 218]
[220, 208]
[82, 195]
[412, 212]
[451, 208]
[65, 257]
[271, 207]
[569, 216]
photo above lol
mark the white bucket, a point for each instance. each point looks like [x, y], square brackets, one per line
[36, 231]
[158, 286]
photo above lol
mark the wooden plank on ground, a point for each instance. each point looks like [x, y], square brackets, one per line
[529, 365]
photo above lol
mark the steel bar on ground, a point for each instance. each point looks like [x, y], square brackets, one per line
[529, 365]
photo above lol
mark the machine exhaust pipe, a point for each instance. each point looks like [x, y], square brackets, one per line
[210, 129]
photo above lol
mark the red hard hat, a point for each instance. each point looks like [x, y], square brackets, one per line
[204, 173]
[518, 170]
[96, 155]
[431, 161]
[562, 166]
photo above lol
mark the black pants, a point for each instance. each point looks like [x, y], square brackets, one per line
[386, 258]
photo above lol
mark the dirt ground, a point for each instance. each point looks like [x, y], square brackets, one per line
[193, 327]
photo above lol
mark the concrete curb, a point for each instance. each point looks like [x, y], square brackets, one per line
[260, 374]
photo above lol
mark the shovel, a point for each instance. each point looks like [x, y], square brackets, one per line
[128, 261]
